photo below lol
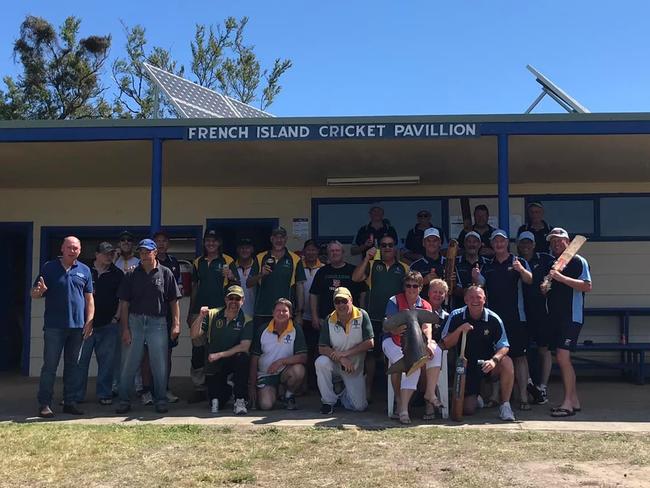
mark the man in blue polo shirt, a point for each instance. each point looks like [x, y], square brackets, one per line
[67, 286]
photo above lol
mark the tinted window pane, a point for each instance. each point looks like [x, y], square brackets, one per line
[344, 219]
[625, 216]
[576, 216]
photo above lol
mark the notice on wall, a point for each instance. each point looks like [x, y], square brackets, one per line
[301, 228]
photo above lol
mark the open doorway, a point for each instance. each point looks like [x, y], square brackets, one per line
[16, 267]
[231, 230]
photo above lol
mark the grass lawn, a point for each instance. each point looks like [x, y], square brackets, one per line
[188, 455]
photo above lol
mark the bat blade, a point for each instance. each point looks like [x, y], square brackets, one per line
[564, 259]
[459, 383]
[467, 214]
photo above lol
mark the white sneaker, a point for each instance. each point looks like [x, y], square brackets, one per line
[239, 408]
[214, 406]
[505, 412]
[171, 398]
[146, 398]
[479, 402]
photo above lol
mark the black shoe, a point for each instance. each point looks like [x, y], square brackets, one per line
[290, 403]
[536, 393]
[326, 409]
[161, 409]
[198, 397]
[72, 410]
[122, 409]
[45, 412]
[106, 401]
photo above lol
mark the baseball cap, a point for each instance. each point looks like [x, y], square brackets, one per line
[147, 244]
[497, 233]
[431, 231]
[526, 235]
[557, 232]
[244, 241]
[279, 231]
[342, 292]
[210, 234]
[105, 247]
[126, 233]
[535, 204]
[472, 234]
[235, 290]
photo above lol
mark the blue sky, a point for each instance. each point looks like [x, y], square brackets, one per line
[417, 57]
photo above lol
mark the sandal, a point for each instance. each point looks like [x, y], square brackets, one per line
[562, 412]
[524, 406]
[404, 418]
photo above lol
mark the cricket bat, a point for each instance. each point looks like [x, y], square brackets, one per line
[467, 214]
[450, 269]
[561, 262]
[459, 383]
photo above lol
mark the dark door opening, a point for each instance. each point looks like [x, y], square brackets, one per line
[15, 268]
[231, 230]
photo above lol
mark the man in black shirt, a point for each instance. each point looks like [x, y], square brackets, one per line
[327, 279]
[147, 293]
[486, 341]
[369, 234]
[105, 332]
[482, 228]
[536, 224]
[414, 238]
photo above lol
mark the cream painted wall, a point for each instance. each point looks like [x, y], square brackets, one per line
[619, 269]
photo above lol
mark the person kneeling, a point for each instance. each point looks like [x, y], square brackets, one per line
[343, 342]
[487, 343]
[229, 334]
[278, 358]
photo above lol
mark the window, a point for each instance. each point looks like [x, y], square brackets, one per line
[624, 216]
[574, 215]
[337, 219]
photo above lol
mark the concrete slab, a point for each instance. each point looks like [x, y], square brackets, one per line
[608, 406]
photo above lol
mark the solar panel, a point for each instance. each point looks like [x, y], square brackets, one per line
[549, 88]
[193, 101]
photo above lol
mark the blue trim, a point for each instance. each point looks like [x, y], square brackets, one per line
[89, 134]
[28, 229]
[503, 183]
[156, 184]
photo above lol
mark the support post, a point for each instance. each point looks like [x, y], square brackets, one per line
[156, 184]
[503, 183]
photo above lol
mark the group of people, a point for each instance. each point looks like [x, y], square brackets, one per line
[267, 327]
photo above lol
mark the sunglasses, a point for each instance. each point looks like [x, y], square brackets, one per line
[387, 245]
[341, 301]
[234, 298]
[411, 285]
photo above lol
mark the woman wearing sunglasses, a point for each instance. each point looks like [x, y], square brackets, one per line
[404, 385]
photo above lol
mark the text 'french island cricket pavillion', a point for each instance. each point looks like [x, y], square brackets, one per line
[318, 177]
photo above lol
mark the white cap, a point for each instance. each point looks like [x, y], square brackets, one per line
[526, 235]
[557, 232]
[472, 233]
[497, 233]
[431, 231]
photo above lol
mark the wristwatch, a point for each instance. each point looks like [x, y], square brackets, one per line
[496, 359]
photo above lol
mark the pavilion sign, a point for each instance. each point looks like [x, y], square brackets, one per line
[332, 131]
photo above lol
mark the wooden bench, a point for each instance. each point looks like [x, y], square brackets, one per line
[632, 355]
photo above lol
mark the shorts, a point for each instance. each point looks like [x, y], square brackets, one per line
[517, 333]
[268, 380]
[566, 335]
[540, 330]
[473, 377]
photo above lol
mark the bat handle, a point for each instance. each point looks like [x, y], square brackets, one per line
[546, 284]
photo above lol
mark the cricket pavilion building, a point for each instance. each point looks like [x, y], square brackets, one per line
[318, 177]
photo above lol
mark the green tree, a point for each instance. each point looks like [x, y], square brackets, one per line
[225, 62]
[60, 76]
[136, 94]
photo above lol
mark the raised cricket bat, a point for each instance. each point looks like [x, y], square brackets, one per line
[467, 214]
[459, 383]
[561, 262]
[450, 268]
